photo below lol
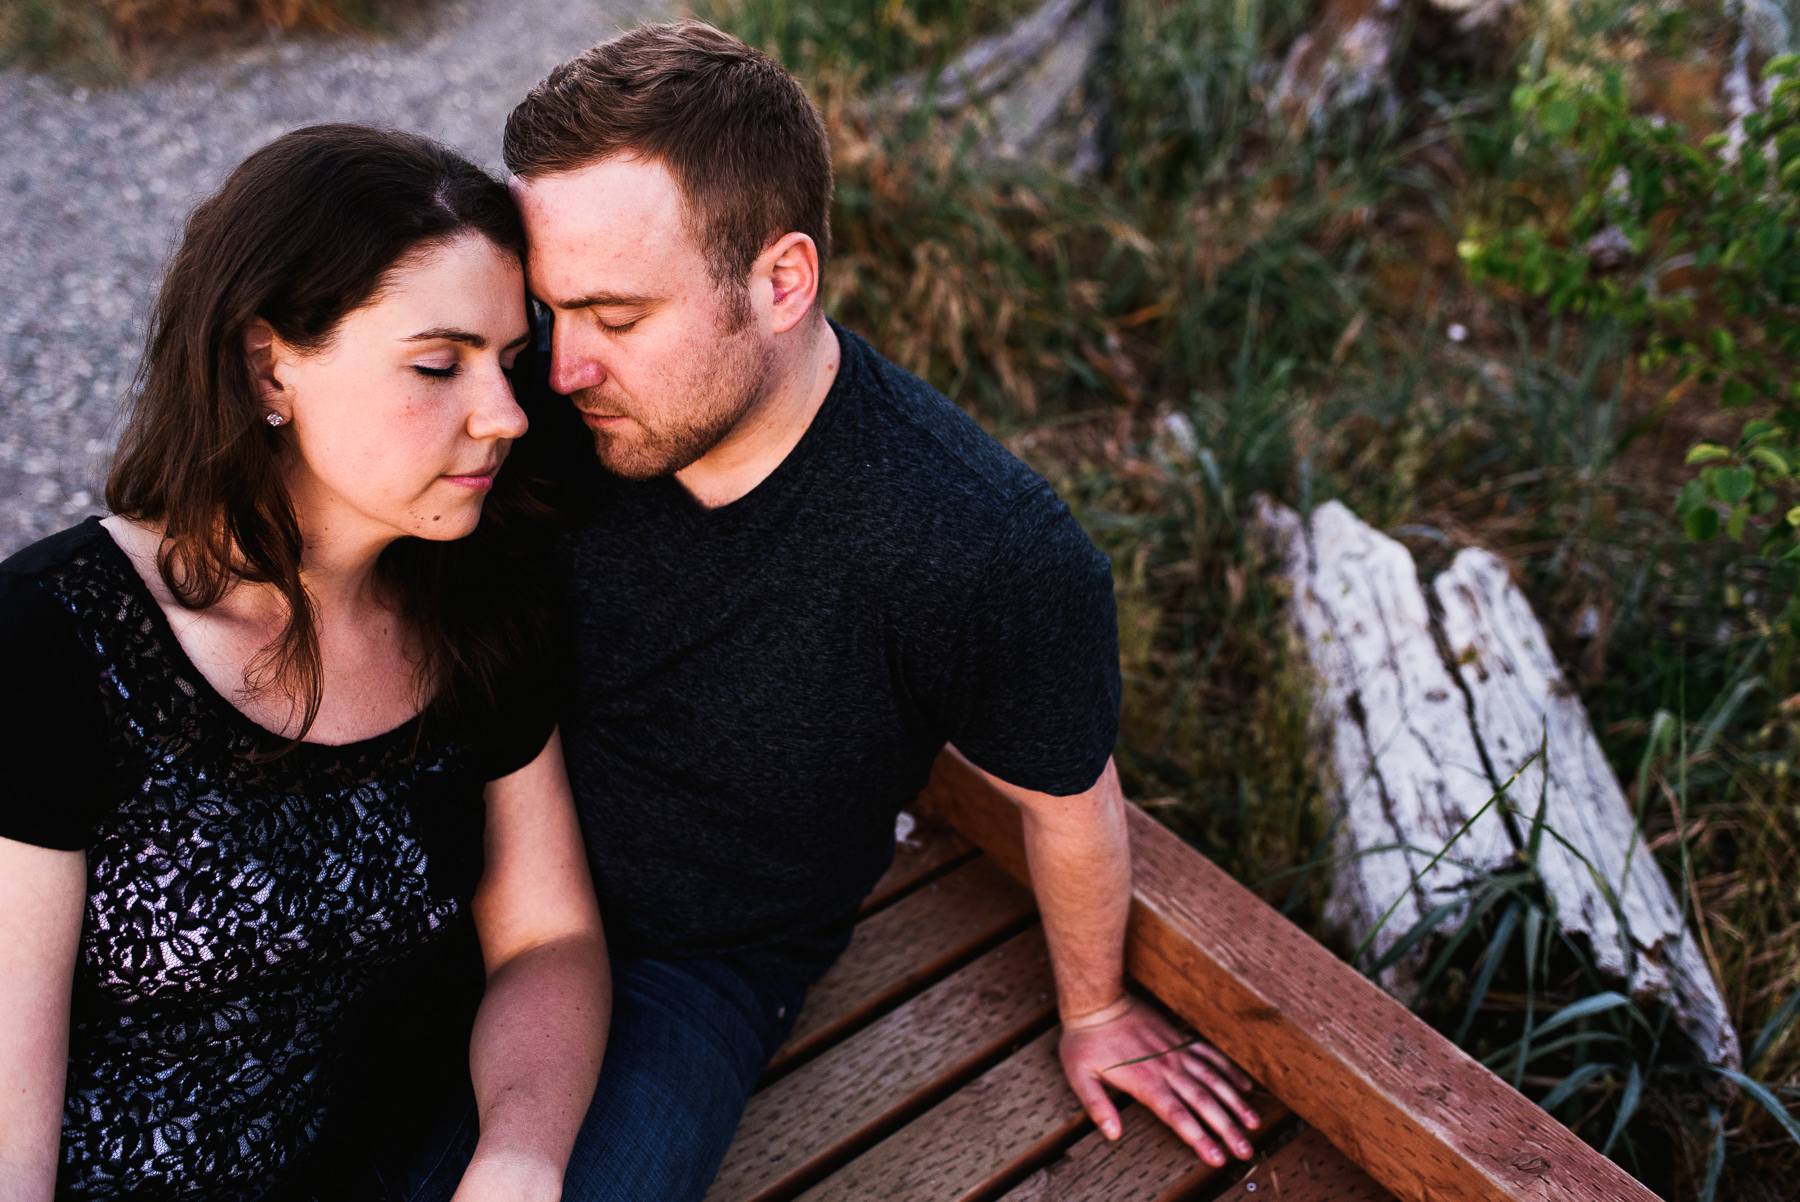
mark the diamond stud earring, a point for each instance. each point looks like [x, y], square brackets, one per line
[275, 419]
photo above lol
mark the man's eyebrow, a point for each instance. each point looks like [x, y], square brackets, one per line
[604, 300]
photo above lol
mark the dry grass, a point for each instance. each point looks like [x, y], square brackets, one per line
[133, 37]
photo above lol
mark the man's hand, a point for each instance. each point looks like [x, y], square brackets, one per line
[1192, 1088]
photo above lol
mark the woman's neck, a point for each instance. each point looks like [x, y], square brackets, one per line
[366, 655]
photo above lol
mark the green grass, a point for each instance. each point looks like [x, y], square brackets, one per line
[1235, 307]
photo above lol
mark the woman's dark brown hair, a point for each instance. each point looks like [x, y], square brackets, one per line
[303, 232]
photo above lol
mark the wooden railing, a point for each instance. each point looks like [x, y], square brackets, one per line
[1417, 1113]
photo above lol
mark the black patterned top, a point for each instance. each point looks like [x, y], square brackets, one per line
[240, 909]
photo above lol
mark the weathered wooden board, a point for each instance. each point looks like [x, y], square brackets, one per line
[1396, 1097]
[1147, 1163]
[817, 1117]
[1407, 772]
[1309, 1169]
[913, 941]
[1522, 705]
[928, 849]
[993, 1128]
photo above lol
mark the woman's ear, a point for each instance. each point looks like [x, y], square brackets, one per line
[259, 350]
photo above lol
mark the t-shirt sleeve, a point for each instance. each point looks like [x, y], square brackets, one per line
[525, 713]
[1032, 690]
[52, 722]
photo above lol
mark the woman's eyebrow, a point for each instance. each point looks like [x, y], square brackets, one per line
[445, 334]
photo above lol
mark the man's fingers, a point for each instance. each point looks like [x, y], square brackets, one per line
[1099, 1107]
[1201, 1097]
[1225, 1086]
[1224, 1063]
[1169, 1107]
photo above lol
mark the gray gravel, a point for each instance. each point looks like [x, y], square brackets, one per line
[94, 185]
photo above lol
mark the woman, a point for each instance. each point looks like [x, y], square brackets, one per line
[273, 736]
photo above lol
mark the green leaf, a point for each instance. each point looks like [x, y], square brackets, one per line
[1692, 497]
[1755, 430]
[1793, 517]
[1734, 525]
[1560, 115]
[1703, 525]
[1738, 393]
[1771, 1103]
[1729, 484]
[1755, 168]
[1706, 452]
[1773, 462]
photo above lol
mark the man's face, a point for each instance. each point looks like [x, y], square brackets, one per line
[662, 364]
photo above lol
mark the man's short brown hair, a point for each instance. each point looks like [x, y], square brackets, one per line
[739, 134]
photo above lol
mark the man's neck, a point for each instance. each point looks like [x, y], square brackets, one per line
[799, 381]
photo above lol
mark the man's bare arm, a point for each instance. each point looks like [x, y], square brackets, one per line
[1079, 854]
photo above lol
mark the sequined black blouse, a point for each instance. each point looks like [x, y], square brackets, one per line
[240, 909]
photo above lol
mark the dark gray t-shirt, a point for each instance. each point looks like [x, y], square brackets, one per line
[757, 689]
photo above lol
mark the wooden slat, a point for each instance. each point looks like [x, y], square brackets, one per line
[810, 1121]
[898, 949]
[932, 846]
[1422, 1117]
[995, 1127]
[1146, 1164]
[1310, 1170]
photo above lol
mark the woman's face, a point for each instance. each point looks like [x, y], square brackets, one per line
[400, 423]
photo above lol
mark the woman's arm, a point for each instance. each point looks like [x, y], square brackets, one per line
[535, 1054]
[42, 894]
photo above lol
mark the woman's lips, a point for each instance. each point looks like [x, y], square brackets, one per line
[479, 480]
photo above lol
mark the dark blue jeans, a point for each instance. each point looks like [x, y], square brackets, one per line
[689, 1040]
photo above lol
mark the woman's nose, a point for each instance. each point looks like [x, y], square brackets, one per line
[496, 413]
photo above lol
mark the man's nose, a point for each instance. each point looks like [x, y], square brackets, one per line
[573, 366]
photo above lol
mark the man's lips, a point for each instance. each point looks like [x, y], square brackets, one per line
[601, 421]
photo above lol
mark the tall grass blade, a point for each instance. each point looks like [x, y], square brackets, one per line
[1538, 1052]
[1771, 1103]
[1587, 1007]
[1773, 1030]
[1490, 964]
[1363, 947]
[1715, 1159]
[1567, 1087]
[1628, 1104]
[1417, 933]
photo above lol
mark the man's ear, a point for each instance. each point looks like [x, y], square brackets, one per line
[260, 345]
[791, 264]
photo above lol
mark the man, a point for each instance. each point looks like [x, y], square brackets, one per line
[803, 573]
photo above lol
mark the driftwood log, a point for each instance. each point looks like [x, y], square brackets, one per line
[1028, 91]
[1429, 705]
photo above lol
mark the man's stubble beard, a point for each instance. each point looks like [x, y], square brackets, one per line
[702, 420]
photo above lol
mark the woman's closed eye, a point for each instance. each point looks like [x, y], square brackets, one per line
[446, 372]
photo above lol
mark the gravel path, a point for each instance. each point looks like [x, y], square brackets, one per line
[94, 186]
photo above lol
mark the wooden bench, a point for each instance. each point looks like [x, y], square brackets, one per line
[924, 1065]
